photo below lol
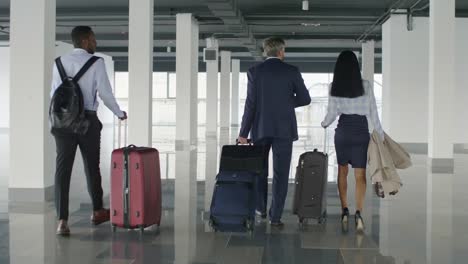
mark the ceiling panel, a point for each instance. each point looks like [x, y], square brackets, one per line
[329, 26]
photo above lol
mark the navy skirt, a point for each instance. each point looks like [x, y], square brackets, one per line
[352, 140]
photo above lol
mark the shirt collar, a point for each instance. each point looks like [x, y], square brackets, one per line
[268, 58]
[78, 50]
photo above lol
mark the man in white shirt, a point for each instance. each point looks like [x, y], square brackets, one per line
[94, 82]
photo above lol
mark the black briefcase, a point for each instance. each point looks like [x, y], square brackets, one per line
[243, 158]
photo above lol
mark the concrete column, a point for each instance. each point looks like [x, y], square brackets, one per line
[5, 87]
[187, 81]
[368, 70]
[439, 232]
[140, 72]
[211, 169]
[400, 213]
[368, 61]
[31, 146]
[212, 83]
[235, 68]
[185, 210]
[38, 222]
[405, 65]
[461, 93]
[441, 84]
[235, 93]
[225, 94]
[185, 206]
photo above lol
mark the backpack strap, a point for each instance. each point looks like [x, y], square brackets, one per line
[85, 68]
[61, 70]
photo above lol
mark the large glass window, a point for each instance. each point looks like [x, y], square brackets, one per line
[164, 111]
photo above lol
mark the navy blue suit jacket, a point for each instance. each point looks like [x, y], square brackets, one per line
[275, 89]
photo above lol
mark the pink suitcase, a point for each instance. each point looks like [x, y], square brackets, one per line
[135, 188]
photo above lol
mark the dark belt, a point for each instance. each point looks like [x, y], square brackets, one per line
[89, 112]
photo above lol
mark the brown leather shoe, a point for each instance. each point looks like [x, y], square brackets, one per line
[63, 229]
[277, 224]
[100, 216]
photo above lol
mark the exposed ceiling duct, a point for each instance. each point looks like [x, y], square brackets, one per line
[230, 14]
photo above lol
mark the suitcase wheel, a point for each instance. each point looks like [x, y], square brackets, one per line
[249, 225]
[212, 225]
[323, 218]
[303, 223]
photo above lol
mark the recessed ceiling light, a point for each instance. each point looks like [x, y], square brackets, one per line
[305, 5]
[310, 24]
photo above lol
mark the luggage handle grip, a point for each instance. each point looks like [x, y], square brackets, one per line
[119, 133]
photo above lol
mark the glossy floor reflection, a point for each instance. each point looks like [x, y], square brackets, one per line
[425, 223]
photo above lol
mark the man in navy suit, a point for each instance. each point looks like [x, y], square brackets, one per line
[275, 89]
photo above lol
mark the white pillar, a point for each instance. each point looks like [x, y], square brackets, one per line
[186, 137]
[368, 61]
[185, 207]
[187, 81]
[31, 146]
[224, 96]
[400, 213]
[39, 223]
[235, 69]
[140, 72]
[439, 232]
[211, 169]
[5, 87]
[405, 65]
[441, 84]
[368, 70]
[212, 83]
[235, 93]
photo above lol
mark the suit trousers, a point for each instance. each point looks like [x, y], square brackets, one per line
[282, 152]
[90, 146]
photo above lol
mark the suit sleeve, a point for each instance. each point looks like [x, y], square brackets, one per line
[301, 94]
[250, 106]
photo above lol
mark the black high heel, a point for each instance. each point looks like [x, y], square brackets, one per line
[359, 222]
[345, 219]
[345, 215]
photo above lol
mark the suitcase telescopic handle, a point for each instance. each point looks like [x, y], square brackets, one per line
[325, 141]
[119, 133]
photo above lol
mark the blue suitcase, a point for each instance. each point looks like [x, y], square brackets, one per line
[233, 204]
[234, 196]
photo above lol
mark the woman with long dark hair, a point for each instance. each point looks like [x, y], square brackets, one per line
[352, 99]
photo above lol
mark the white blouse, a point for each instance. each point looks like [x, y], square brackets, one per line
[364, 105]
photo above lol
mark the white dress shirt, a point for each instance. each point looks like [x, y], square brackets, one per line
[93, 83]
[364, 105]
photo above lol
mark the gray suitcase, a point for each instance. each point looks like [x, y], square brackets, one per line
[310, 196]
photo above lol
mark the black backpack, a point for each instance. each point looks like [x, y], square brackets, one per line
[66, 111]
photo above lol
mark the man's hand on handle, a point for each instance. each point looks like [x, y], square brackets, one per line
[243, 141]
[124, 117]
